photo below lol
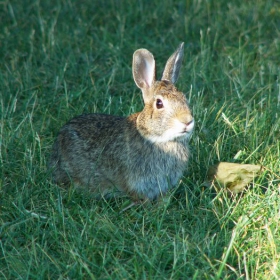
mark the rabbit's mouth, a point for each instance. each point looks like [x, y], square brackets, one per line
[181, 129]
[185, 134]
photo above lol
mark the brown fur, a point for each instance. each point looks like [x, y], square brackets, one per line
[103, 152]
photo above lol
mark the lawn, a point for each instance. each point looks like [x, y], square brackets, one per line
[62, 58]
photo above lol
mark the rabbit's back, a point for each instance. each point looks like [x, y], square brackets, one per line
[79, 151]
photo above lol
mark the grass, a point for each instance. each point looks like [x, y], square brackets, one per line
[62, 58]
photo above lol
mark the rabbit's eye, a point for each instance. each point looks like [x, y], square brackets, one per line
[159, 104]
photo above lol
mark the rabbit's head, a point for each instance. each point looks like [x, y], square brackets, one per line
[166, 115]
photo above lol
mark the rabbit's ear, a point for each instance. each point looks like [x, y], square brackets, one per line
[143, 67]
[173, 65]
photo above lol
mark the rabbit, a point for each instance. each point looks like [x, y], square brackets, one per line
[142, 155]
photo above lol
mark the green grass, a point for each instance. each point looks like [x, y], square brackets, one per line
[62, 58]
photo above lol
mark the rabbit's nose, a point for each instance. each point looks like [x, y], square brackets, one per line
[190, 125]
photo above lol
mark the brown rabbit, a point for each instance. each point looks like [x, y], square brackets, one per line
[142, 155]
